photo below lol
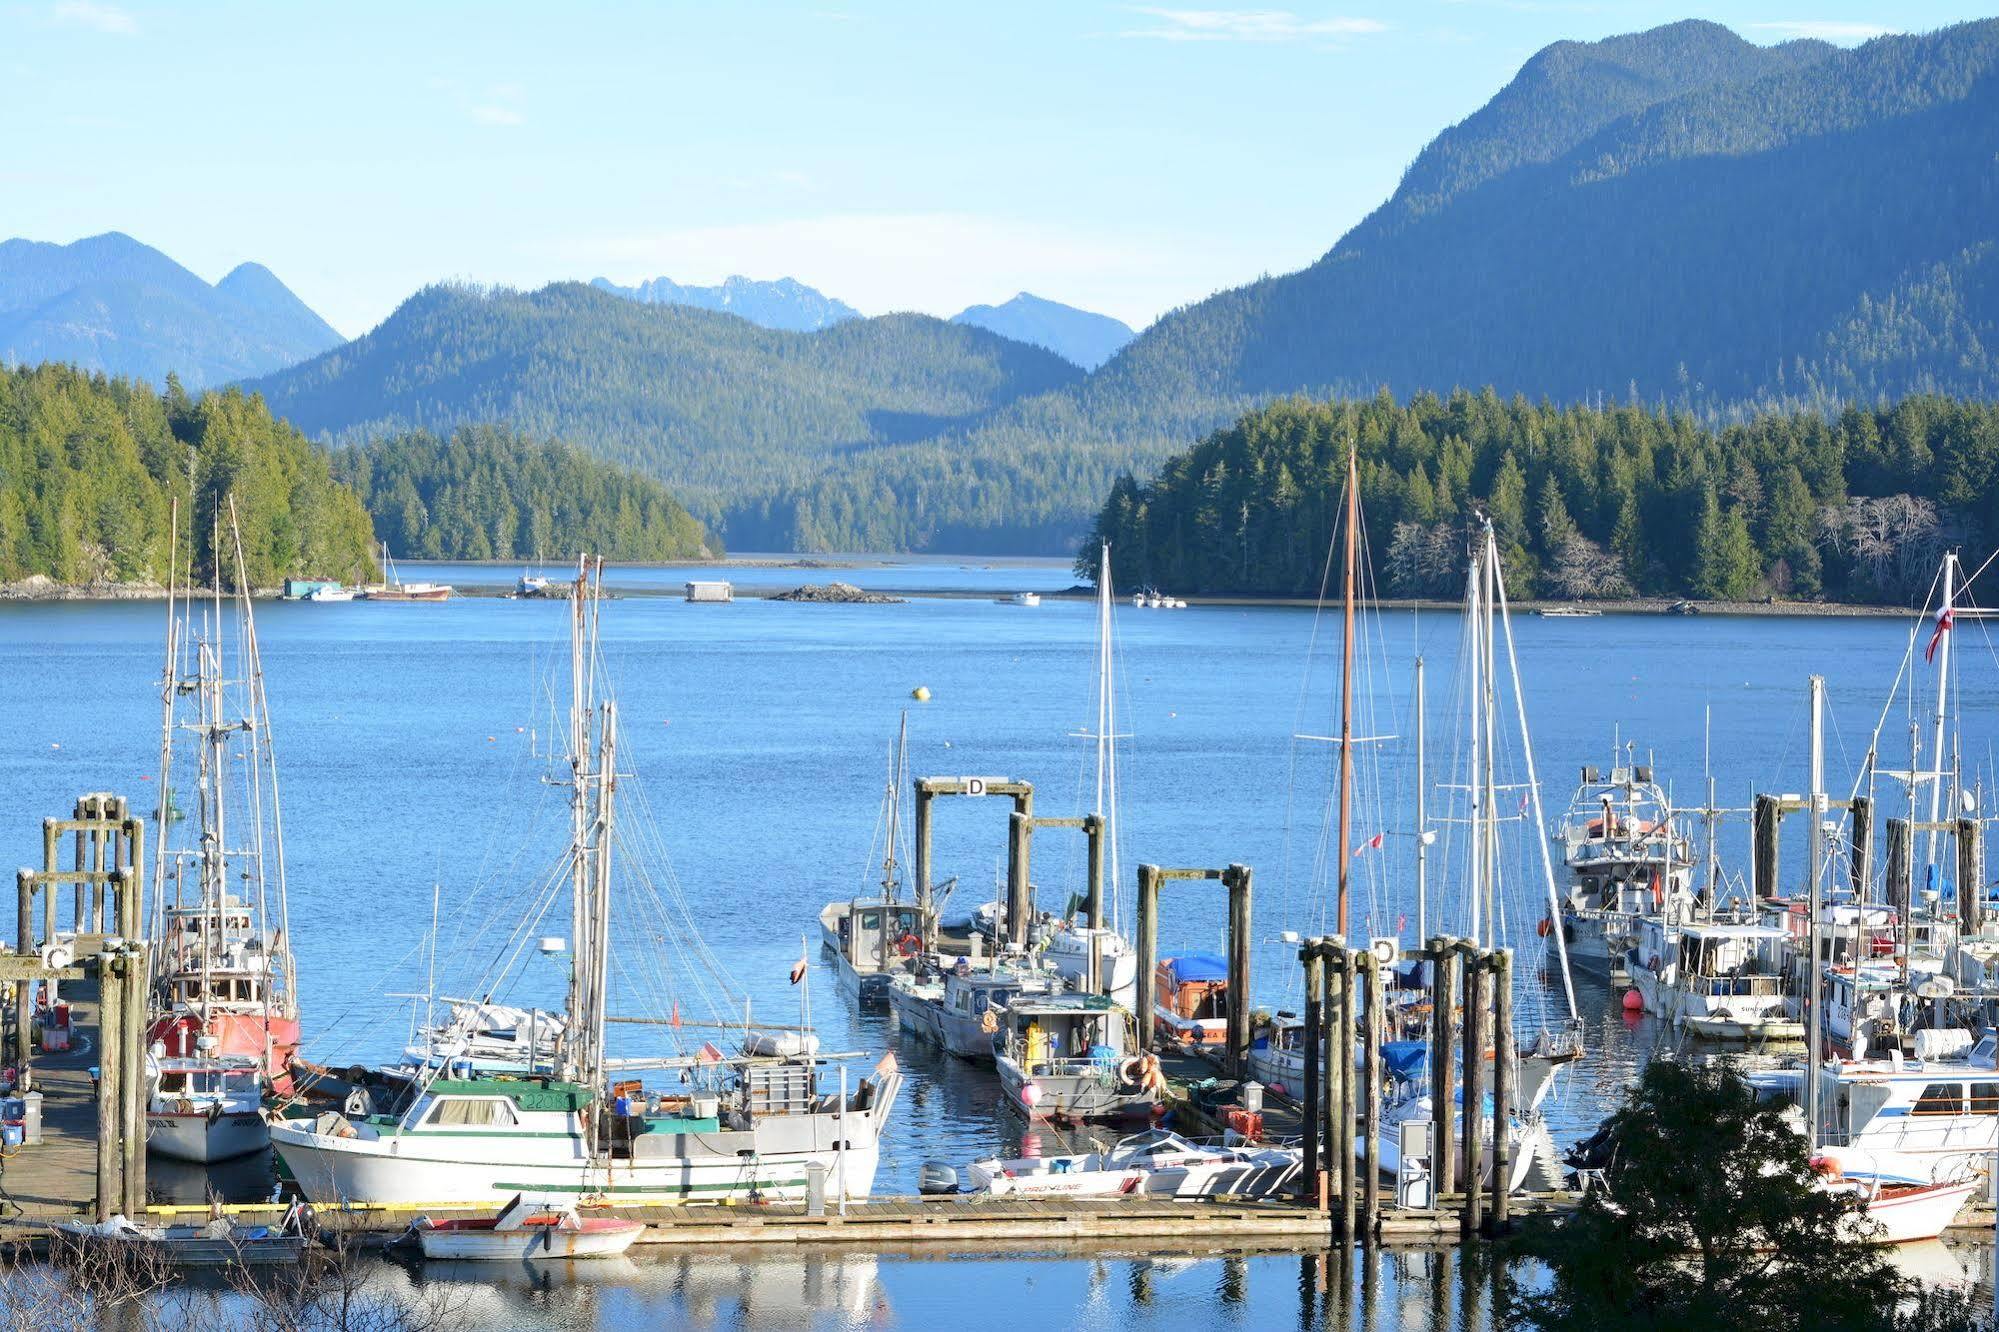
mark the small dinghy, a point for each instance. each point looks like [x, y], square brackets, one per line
[1900, 1196]
[217, 1243]
[527, 1230]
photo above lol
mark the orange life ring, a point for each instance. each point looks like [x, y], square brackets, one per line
[1545, 928]
[909, 945]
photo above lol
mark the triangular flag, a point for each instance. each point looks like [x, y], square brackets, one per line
[887, 1065]
[798, 967]
[676, 1015]
[708, 1054]
[1946, 618]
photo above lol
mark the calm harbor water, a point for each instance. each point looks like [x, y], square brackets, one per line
[414, 739]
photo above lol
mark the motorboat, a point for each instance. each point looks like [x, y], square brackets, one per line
[1020, 599]
[1719, 980]
[216, 1243]
[330, 592]
[1155, 1163]
[1627, 857]
[204, 1108]
[527, 1230]
[1074, 1058]
[1900, 1199]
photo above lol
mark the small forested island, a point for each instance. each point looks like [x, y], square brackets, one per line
[1588, 503]
[91, 467]
[489, 493]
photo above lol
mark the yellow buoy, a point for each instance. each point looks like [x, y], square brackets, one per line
[921, 693]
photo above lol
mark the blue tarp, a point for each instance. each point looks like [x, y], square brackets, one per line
[1198, 967]
[1405, 1059]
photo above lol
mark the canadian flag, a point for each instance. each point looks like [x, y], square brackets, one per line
[798, 967]
[1946, 618]
[1371, 844]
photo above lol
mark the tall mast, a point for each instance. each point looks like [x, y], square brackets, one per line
[600, 912]
[1489, 843]
[1346, 676]
[579, 868]
[1942, 708]
[898, 762]
[169, 687]
[1106, 806]
[1422, 820]
[1474, 627]
[1816, 857]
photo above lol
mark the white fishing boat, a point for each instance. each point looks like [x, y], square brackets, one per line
[534, 1230]
[974, 1002]
[1900, 1200]
[1155, 1163]
[876, 937]
[1627, 857]
[1720, 980]
[330, 592]
[490, 1038]
[722, 1127]
[1074, 1058]
[1191, 1005]
[204, 1109]
[1020, 599]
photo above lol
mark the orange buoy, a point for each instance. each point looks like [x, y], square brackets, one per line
[1634, 1002]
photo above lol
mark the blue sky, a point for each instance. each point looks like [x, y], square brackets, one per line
[1127, 158]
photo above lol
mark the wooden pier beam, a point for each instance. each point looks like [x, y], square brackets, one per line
[1901, 866]
[24, 990]
[1093, 837]
[1502, 1088]
[1236, 878]
[1443, 1065]
[1370, 1105]
[110, 1084]
[131, 1038]
[1970, 876]
[1860, 857]
[1474, 1060]
[1311, 1103]
[1019, 890]
[923, 901]
[1149, 877]
[1767, 812]
[1329, 1060]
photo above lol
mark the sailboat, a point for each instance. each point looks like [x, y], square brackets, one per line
[750, 1126]
[393, 588]
[878, 937]
[1488, 630]
[224, 983]
[1069, 950]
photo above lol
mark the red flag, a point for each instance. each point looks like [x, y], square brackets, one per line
[1945, 619]
[1371, 844]
[676, 1015]
[708, 1054]
[798, 969]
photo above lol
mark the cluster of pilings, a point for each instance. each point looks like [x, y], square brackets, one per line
[107, 881]
[1471, 1011]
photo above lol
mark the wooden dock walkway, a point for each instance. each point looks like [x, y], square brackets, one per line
[57, 1179]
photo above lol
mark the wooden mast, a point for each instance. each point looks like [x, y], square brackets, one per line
[1346, 676]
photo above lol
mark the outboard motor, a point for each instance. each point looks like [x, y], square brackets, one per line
[935, 1177]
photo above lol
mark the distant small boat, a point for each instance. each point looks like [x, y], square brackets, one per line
[330, 592]
[1020, 599]
[1151, 598]
[527, 1230]
[1567, 613]
[531, 586]
[394, 589]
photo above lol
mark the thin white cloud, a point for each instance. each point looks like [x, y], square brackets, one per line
[107, 19]
[1825, 30]
[493, 114]
[1247, 25]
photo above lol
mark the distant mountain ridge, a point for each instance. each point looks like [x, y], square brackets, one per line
[737, 419]
[783, 304]
[109, 303]
[1079, 336]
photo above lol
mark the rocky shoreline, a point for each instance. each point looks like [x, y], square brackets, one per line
[837, 594]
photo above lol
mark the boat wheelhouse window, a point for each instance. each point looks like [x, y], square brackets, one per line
[471, 1112]
[1940, 1098]
[1985, 1098]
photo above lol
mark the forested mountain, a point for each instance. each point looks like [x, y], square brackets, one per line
[1075, 335]
[786, 303]
[1676, 217]
[109, 303]
[734, 418]
[488, 493]
[89, 468]
[1585, 502]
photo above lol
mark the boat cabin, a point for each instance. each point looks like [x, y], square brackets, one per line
[206, 1079]
[1718, 960]
[873, 936]
[1057, 1033]
[1192, 1007]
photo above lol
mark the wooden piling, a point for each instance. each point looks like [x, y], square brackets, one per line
[1236, 878]
[1329, 1062]
[1443, 1066]
[1474, 1059]
[1019, 895]
[1093, 869]
[24, 990]
[131, 1037]
[923, 890]
[110, 1085]
[1340, 1133]
[1148, 954]
[1860, 846]
[1970, 876]
[1895, 881]
[1502, 1088]
[1767, 811]
[1370, 1106]
[1311, 1103]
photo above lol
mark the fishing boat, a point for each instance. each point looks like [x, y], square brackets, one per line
[1074, 1058]
[393, 588]
[876, 937]
[530, 586]
[1721, 980]
[224, 982]
[1192, 1005]
[527, 1230]
[1898, 1199]
[1155, 1163]
[1020, 599]
[1626, 857]
[489, 1038]
[1095, 955]
[216, 1243]
[330, 592]
[973, 1002]
[748, 1126]
[917, 1001]
[204, 1109]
